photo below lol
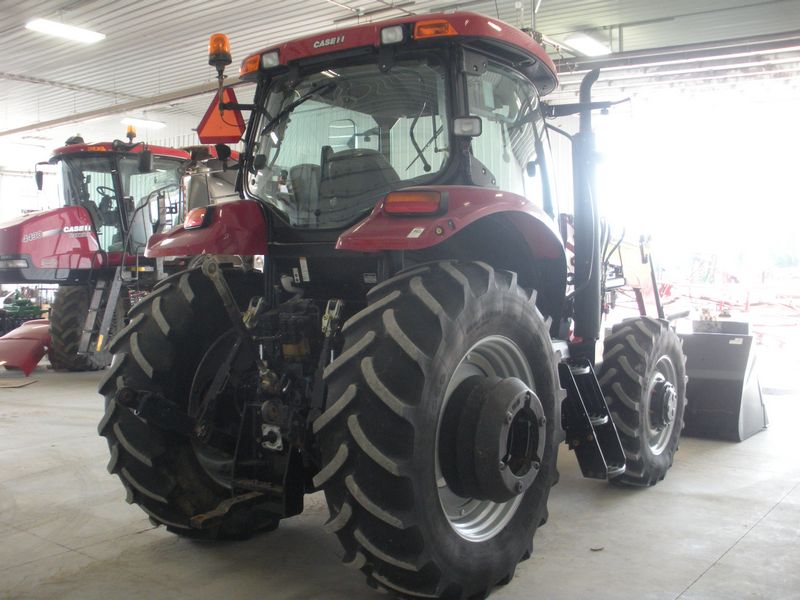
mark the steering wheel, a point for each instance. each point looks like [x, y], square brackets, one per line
[106, 191]
[107, 194]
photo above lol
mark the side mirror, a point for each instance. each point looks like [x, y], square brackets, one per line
[223, 151]
[530, 168]
[467, 126]
[39, 180]
[259, 162]
[146, 162]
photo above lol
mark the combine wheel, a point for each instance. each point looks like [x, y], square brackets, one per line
[67, 318]
[644, 382]
[438, 441]
[175, 337]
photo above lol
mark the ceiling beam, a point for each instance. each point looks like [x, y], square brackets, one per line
[124, 107]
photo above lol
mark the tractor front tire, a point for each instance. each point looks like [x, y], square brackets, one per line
[643, 379]
[67, 317]
[158, 352]
[385, 444]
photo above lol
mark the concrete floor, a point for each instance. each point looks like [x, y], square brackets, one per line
[724, 524]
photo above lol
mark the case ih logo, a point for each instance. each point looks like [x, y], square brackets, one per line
[77, 228]
[332, 41]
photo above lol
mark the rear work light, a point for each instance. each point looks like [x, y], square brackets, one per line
[392, 35]
[433, 28]
[270, 59]
[197, 217]
[414, 203]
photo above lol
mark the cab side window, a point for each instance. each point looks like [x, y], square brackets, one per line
[513, 146]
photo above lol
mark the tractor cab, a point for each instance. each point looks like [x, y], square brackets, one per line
[413, 106]
[129, 191]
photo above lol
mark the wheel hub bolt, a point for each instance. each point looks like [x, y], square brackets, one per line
[665, 403]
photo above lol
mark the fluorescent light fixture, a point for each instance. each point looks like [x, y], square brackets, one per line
[143, 123]
[62, 30]
[587, 45]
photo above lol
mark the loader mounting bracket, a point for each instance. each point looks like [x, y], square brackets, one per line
[588, 425]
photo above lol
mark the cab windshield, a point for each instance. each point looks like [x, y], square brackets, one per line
[91, 181]
[332, 143]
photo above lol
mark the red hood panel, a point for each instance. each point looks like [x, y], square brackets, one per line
[62, 238]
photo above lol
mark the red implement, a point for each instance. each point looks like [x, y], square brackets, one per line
[25, 346]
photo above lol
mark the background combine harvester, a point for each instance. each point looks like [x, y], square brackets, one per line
[114, 196]
[420, 341]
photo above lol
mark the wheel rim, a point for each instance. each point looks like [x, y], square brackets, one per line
[480, 520]
[214, 452]
[661, 405]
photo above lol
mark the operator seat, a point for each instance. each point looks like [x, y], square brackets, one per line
[305, 186]
[355, 172]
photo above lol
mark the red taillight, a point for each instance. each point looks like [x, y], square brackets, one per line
[197, 217]
[413, 203]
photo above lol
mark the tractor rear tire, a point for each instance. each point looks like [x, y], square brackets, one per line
[159, 351]
[643, 379]
[67, 317]
[391, 506]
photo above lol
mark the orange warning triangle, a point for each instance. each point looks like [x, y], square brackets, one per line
[225, 128]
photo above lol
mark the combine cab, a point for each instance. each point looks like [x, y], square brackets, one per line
[417, 344]
[115, 195]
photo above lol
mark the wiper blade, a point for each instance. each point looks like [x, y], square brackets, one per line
[290, 107]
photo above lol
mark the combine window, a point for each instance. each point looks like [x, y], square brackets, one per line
[93, 182]
[88, 181]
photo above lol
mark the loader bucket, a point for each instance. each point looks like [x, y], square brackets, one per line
[723, 394]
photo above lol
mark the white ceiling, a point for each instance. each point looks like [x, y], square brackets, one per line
[153, 47]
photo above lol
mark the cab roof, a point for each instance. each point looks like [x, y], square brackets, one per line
[121, 148]
[470, 28]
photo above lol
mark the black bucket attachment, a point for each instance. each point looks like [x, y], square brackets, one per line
[723, 393]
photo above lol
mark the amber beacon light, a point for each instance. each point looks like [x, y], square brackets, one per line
[219, 51]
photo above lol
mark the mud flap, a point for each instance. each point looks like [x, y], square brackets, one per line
[724, 394]
[23, 347]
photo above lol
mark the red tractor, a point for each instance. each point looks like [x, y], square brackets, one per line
[419, 342]
[114, 196]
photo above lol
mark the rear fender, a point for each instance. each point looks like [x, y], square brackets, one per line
[237, 227]
[503, 229]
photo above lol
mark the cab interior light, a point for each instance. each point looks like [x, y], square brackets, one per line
[414, 203]
[64, 31]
